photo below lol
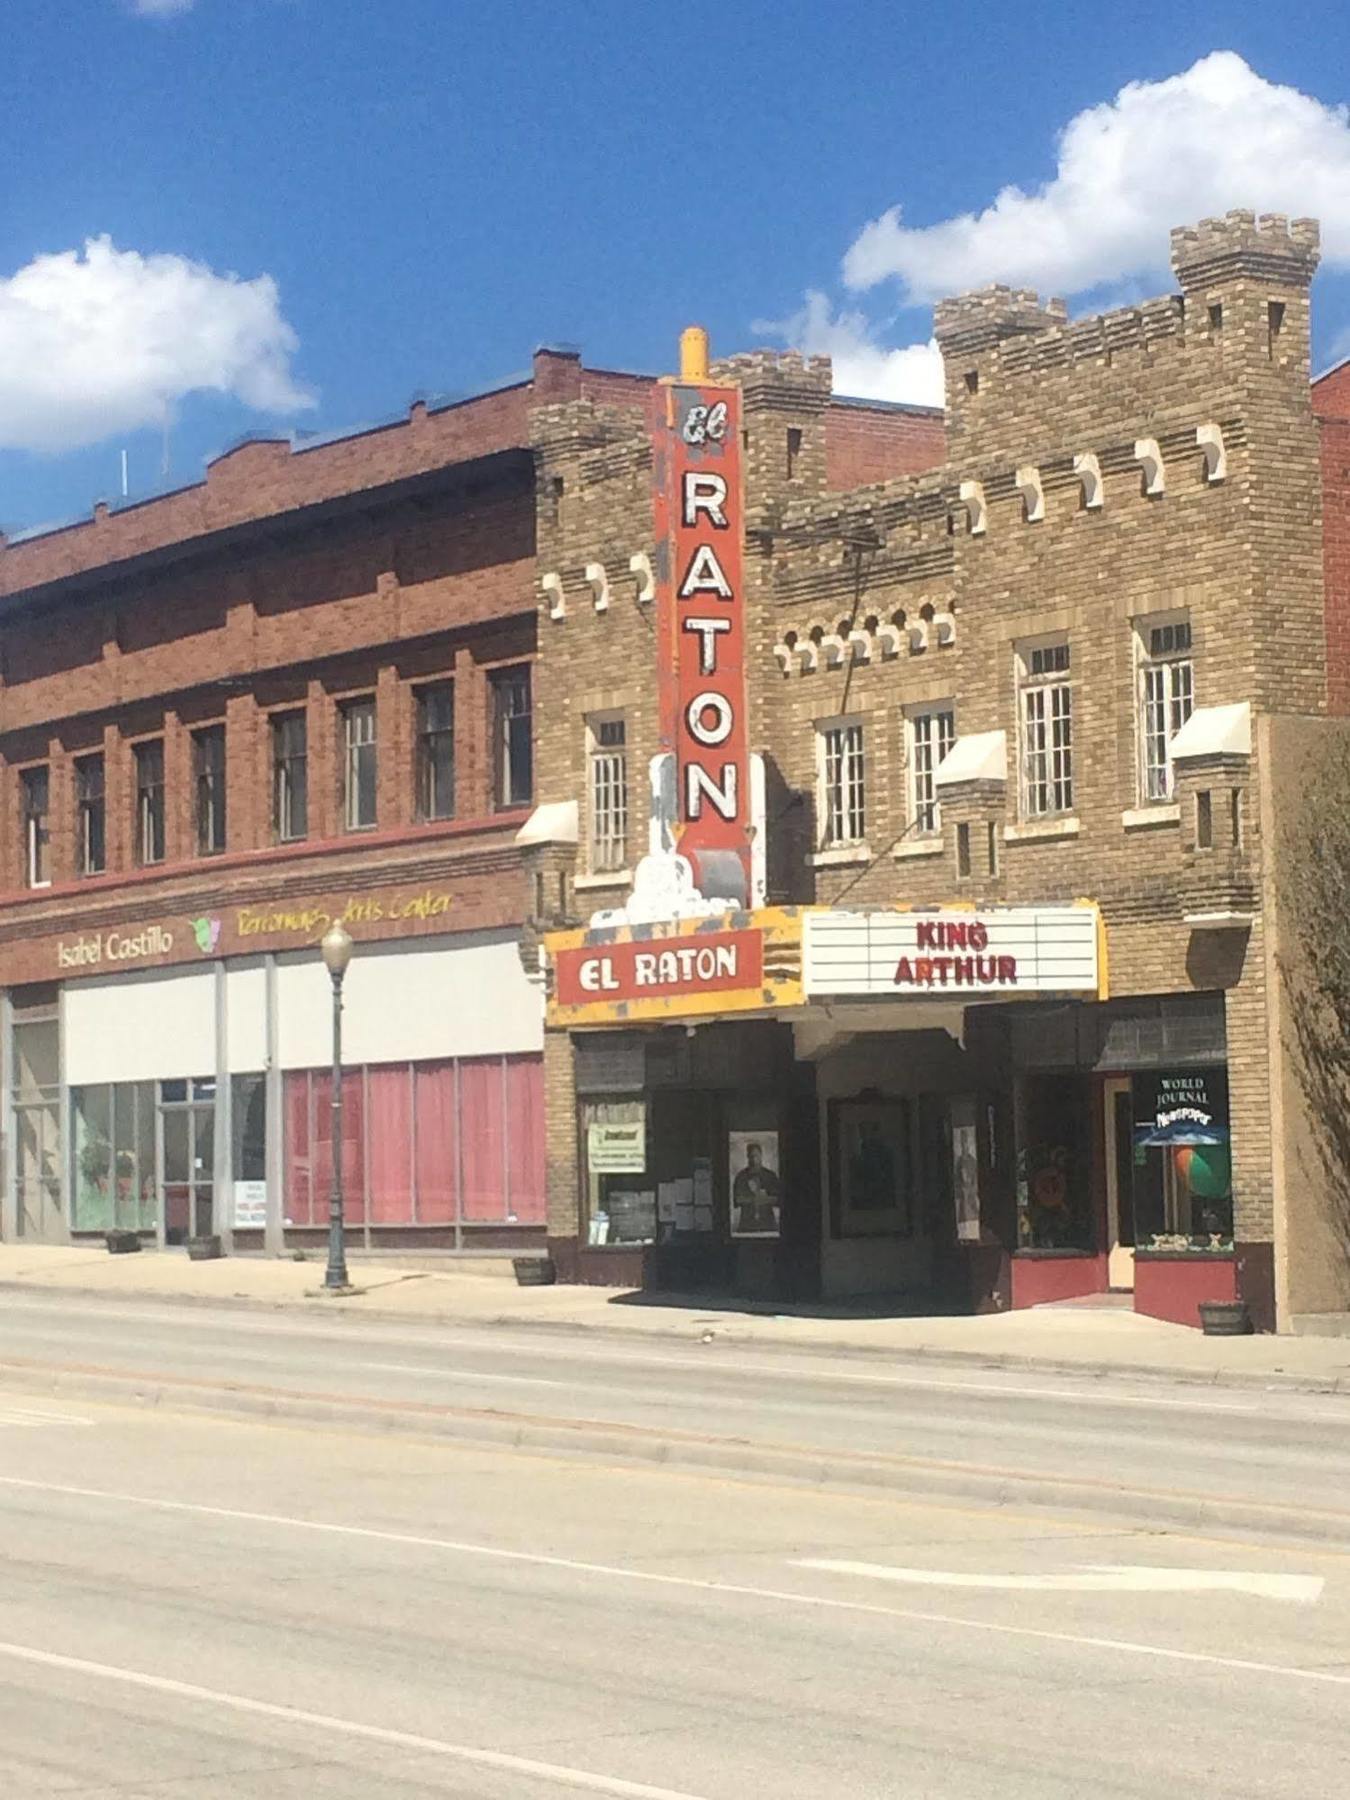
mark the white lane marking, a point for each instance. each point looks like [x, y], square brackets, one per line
[1093, 1578]
[693, 1583]
[469, 1375]
[32, 1415]
[557, 1773]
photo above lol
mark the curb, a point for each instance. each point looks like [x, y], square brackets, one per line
[908, 1478]
[1097, 1369]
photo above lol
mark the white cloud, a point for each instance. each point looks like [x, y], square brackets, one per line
[1161, 153]
[160, 9]
[103, 340]
[862, 367]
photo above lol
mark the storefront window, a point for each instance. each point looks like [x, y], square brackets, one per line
[113, 1179]
[621, 1197]
[1054, 1164]
[1183, 1171]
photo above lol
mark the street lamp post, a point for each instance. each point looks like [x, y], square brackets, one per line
[337, 954]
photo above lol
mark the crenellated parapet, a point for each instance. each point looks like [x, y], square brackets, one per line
[1268, 247]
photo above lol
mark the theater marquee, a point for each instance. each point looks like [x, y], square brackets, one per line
[954, 953]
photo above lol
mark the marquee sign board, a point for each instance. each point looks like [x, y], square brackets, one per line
[700, 612]
[953, 953]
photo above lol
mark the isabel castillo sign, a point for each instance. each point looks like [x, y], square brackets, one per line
[954, 953]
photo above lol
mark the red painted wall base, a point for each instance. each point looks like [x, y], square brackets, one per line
[1037, 1280]
[1172, 1287]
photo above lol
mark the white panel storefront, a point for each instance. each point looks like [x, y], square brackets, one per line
[410, 1003]
[246, 1016]
[952, 952]
[146, 1027]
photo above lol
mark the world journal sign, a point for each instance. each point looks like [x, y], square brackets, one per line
[955, 953]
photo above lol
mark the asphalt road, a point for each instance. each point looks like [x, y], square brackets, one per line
[202, 1608]
[1286, 1451]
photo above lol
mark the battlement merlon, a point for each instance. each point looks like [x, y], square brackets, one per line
[973, 322]
[1268, 248]
[777, 379]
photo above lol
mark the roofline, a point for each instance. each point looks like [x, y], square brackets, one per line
[513, 459]
[1333, 370]
[892, 406]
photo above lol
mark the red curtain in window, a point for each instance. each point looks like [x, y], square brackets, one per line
[437, 1142]
[353, 1144]
[482, 1126]
[298, 1179]
[389, 1144]
[525, 1137]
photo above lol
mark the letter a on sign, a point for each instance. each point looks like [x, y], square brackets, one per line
[700, 611]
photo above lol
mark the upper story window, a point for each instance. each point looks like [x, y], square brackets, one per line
[36, 785]
[149, 759]
[208, 772]
[1045, 724]
[843, 783]
[1166, 699]
[607, 755]
[930, 732]
[436, 751]
[290, 777]
[512, 731]
[90, 816]
[359, 766]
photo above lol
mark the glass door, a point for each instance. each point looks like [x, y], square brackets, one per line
[1119, 1101]
[187, 1135]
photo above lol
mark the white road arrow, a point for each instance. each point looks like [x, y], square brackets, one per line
[1092, 1578]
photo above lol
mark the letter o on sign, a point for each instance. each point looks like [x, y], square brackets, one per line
[719, 731]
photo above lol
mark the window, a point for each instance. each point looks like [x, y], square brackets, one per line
[931, 732]
[608, 756]
[290, 780]
[1166, 697]
[843, 795]
[208, 770]
[963, 850]
[1046, 718]
[358, 764]
[150, 801]
[436, 751]
[36, 826]
[513, 748]
[794, 450]
[90, 816]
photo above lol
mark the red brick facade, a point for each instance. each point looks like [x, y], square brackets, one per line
[1331, 403]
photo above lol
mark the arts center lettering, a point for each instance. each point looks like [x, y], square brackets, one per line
[944, 967]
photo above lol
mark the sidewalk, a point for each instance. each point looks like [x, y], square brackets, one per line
[1081, 1339]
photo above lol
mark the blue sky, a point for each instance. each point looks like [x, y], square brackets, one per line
[432, 187]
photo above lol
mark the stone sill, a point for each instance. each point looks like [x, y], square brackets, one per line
[926, 846]
[842, 856]
[1184, 1255]
[1140, 818]
[1219, 921]
[1030, 830]
[609, 878]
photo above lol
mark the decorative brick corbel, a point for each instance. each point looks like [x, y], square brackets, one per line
[599, 580]
[1089, 472]
[1028, 479]
[1149, 457]
[972, 496]
[553, 592]
[1210, 440]
[641, 566]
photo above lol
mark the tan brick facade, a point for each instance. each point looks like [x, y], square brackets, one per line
[1156, 464]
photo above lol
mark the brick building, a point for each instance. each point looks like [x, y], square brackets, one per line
[299, 690]
[996, 1014]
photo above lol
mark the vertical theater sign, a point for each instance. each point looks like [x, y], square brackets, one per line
[701, 631]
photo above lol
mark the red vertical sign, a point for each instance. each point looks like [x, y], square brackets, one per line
[701, 629]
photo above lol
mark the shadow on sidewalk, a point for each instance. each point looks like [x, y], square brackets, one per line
[874, 1306]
